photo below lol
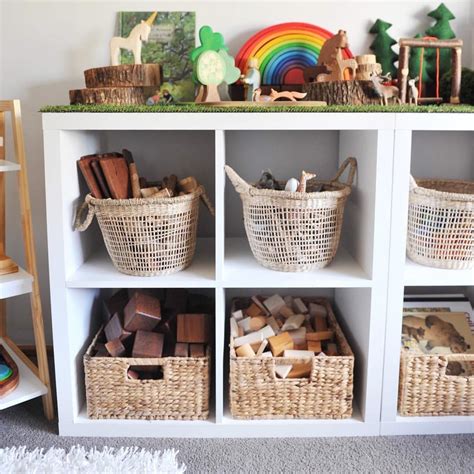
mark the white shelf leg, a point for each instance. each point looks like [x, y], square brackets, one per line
[220, 209]
[219, 354]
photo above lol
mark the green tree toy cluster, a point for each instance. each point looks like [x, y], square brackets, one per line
[382, 47]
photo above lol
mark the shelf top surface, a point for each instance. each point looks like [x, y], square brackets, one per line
[14, 284]
[29, 386]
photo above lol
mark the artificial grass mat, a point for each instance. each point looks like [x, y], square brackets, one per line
[194, 108]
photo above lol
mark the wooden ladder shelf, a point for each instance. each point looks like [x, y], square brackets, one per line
[34, 380]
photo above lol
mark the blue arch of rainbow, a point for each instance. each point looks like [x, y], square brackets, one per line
[284, 50]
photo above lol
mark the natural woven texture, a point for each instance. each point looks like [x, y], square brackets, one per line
[441, 223]
[146, 237]
[294, 232]
[426, 390]
[257, 393]
[182, 394]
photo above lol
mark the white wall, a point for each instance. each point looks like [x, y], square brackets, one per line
[46, 45]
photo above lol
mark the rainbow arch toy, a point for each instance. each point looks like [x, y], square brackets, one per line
[284, 50]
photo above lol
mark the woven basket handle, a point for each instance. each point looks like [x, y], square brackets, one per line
[80, 224]
[350, 162]
[155, 363]
[240, 185]
[413, 183]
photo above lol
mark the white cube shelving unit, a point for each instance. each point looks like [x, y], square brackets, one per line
[365, 282]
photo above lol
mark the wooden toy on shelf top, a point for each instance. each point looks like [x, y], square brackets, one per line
[122, 83]
[212, 65]
[251, 79]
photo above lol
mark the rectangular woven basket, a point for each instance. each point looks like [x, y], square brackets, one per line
[425, 389]
[257, 393]
[182, 393]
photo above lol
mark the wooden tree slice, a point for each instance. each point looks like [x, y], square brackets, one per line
[125, 75]
[108, 95]
[342, 92]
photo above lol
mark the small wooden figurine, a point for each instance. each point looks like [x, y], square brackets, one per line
[133, 42]
[384, 92]
[413, 91]
[292, 96]
[251, 79]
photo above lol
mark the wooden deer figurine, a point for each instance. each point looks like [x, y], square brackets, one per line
[384, 92]
[413, 91]
[133, 42]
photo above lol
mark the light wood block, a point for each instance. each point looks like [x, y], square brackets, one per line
[253, 310]
[314, 346]
[319, 336]
[238, 315]
[320, 323]
[252, 324]
[298, 354]
[193, 327]
[282, 371]
[245, 350]
[286, 312]
[299, 371]
[234, 328]
[257, 336]
[274, 304]
[280, 343]
[293, 322]
[271, 321]
[298, 335]
[262, 347]
[299, 306]
[256, 300]
[316, 309]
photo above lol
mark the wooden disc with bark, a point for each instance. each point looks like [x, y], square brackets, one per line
[125, 75]
[108, 95]
[342, 92]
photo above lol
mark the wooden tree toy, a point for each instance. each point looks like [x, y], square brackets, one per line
[133, 42]
[212, 65]
[382, 47]
[403, 67]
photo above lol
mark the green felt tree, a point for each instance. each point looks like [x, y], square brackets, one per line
[441, 30]
[414, 64]
[382, 47]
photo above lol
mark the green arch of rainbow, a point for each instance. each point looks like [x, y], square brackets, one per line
[282, 49]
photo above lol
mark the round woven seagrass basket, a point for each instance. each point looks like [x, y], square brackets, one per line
[146, 237]
[441, 223]
[293, 231]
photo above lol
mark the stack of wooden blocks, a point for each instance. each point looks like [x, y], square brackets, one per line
[154, 324]
[282, 327]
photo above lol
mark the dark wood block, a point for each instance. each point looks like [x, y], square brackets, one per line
[114, 329]
[197, 350]
[116, 348]
[143, 312]
[115, 304]
[181, 349]
[148, 344]
[193, 327]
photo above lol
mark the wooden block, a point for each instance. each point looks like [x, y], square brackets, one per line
[143, 312]
[117, 176]
[298, 354]
[299, 306]
[188, 185]
[168, 327]
[308, 326]
[245, 350]
[314, 346]
[148, 192]
[133, 374]
[84, 164]
[280, 343]
[238, 315]
[115, 304]
[274, 304]
[320, 323]
[288, 301]
[171, 182]
[165, 192]
[266, 355]
[302, 346]
[193, 327]
[257, 336]
[286, 312]
[181, 349]
[148, 344]
[316, 309]
[258, 302]
[283, 370]
[319, 336]
[298, 335]
[263, 346]
[252, 324]
[114, 329]
[241, 332]
[253, 310]
[273, 324]
[100, 350]
[332, 349]
[234, 328]
[115, 348]
[293, 322]
[255, 346]
[197, 350]
[300, 371]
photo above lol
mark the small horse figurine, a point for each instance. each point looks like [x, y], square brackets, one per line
[133, 43]
[384, 92]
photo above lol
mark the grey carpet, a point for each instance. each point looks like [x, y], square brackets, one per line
[24, 426]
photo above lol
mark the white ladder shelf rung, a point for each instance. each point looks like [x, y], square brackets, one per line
[14, 284]
[9, 166]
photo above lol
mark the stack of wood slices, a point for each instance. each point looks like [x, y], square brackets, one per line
[123, 84]
[155, 324]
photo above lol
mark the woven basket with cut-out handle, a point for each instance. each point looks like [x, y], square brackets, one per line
[292, 231]
[147, 237]
[441, 223]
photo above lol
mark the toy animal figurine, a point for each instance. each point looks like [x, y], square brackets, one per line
[384, 92]
[274, 95]
[305, 177]
[133, 42]
[413, 91]
[330, 56]
[251, 79]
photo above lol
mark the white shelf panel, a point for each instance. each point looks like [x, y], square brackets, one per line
[422, 275]
[429, 425]
[437, 121]
[14, 284]
[8, 166]
[99, 272]
[241, 270]
[29, 386]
